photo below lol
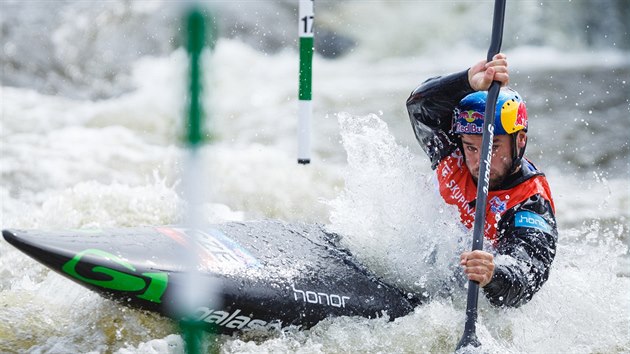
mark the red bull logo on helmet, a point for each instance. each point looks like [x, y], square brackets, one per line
[510, 114]
[468, 122]
[521, 116]
[470, 116]
[513, 116]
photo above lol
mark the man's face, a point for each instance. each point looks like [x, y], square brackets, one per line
[501, 157]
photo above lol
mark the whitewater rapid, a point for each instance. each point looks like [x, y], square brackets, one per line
[76, 161]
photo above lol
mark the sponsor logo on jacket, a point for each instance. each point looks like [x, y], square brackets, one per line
[497, 205]
[529, 219]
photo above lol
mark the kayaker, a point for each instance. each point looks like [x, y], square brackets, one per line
[447, 115]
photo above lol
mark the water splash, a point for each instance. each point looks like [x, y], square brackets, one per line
[387, 212]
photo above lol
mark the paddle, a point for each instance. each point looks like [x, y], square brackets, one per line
[483, 182]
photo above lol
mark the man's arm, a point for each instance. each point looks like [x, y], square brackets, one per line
[430, 109]
[526, 247]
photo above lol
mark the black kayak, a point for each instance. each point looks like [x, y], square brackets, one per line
[263, 274]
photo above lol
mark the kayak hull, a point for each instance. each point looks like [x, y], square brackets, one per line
[245, 276]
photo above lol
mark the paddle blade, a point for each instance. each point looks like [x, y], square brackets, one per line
[468, 343]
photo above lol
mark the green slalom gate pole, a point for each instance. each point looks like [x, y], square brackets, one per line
[195, 25]
[192, 296]
[305, 109]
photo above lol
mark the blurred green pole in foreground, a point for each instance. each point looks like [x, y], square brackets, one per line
[193, 181]
[195, 24]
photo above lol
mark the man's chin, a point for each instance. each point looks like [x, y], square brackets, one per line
[494, 182]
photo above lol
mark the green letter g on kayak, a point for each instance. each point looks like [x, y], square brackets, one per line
[151, 285]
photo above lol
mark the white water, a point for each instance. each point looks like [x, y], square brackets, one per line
[68, 163]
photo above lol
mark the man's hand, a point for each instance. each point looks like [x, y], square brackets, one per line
[481, 75]
[478, 266]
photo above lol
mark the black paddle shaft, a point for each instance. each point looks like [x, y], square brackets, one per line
[483, 182]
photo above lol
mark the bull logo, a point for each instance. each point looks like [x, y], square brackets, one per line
[470, 116]
[521, 116]
[513, 116]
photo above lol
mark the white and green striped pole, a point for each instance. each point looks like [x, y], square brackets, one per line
[305, 108]
[192, 293]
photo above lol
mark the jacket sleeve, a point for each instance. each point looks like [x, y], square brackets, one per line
[430, 109]
[526, 247]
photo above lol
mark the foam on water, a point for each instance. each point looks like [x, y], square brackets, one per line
[68, 163]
